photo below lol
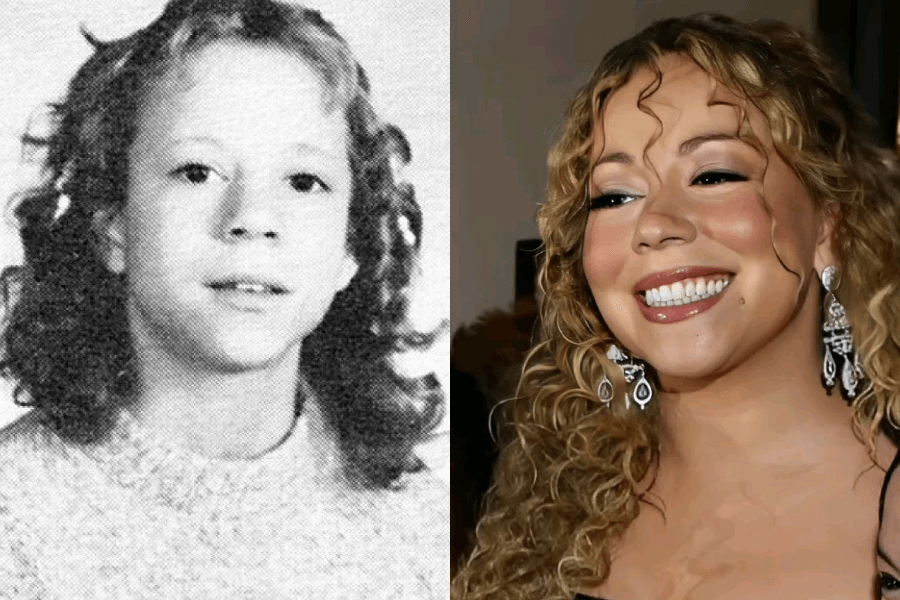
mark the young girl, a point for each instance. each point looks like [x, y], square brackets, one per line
[215, 277]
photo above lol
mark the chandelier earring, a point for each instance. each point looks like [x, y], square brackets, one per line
[838, 339]
[641, 392]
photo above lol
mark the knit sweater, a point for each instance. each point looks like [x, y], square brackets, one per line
[137, 518]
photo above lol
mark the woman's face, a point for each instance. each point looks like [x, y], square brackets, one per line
[889, 541]
[233, 237]
[677, 197]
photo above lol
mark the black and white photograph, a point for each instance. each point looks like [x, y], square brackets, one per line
[224, 300]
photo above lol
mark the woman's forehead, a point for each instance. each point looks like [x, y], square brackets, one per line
[681, 100]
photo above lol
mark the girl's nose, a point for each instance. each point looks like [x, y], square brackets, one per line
[249, 213]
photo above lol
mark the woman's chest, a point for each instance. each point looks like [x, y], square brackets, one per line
[741, 549]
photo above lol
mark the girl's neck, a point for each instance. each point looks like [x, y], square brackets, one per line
[213, 413]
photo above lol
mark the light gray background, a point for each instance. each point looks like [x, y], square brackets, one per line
[403, 44]
[516, 64]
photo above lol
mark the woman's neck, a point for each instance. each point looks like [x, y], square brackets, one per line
[768, 417]
[213, 413]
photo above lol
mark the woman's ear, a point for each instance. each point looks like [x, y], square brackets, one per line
[109, 227]
[826, 242]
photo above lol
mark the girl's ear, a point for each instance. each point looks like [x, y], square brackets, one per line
[109, 226]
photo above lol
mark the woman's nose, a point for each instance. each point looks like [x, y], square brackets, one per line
[663, 222]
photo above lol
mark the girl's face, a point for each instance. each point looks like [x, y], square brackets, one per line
[680, 199]
[889, 541]
[233, 237]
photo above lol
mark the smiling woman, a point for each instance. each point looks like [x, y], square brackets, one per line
[676, 435]
[217, 271]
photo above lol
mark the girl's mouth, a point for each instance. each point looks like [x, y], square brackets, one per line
[248, 287]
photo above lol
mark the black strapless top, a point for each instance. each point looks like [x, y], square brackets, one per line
[586, 597]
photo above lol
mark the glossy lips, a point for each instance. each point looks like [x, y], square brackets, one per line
[666, 277]
[673, 314]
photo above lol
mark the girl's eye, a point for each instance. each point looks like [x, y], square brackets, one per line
[717, 177]
[307, 183]
[194, 173]
[612, 200]
[887, 582]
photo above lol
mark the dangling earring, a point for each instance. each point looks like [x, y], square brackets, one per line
[841, 341]
[641, 392]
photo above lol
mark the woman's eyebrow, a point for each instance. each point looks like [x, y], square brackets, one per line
[690, 145]
[886, 558]
[686, 147]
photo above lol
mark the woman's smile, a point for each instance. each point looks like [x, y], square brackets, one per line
[698, 188]
[682, 299]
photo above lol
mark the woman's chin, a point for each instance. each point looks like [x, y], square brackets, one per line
[686, 373]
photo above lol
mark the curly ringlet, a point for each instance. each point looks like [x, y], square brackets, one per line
[565, 485]
[65, 340]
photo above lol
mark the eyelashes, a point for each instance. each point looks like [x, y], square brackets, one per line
[194, 173]
[197, 174]
[308, 183]
[618, 198]
[887, 582]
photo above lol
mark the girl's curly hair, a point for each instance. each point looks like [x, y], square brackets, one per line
[565, 486]
[66, 341]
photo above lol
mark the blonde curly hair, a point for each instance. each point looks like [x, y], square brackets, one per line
[565, 486]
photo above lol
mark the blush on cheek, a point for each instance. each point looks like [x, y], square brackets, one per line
[743, 225]
[605, 253]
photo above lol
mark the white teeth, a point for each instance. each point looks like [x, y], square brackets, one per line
[685, 292]
[254, 288]
[665, 293]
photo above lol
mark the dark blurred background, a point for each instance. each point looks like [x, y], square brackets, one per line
[515, 65]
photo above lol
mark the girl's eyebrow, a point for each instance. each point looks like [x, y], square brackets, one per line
[687, 147]
[307, 148]
[299, 147]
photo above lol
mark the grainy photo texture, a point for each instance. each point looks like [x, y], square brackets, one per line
[221, 319]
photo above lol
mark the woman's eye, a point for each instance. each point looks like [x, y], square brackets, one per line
[308, 184]
[887, 582]
[612, 200]
[194, 173]
[716, 177]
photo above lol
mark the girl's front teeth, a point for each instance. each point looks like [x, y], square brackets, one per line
[685, 292]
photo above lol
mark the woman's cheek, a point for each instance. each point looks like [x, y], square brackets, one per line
[605, 254]
[742, 224]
